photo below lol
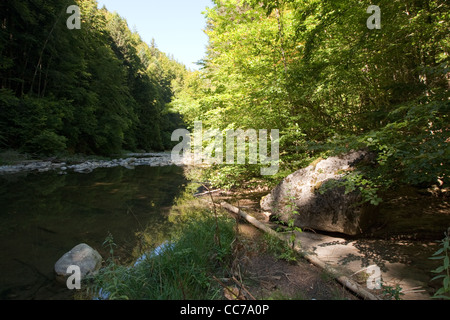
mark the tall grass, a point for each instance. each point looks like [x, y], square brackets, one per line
[182, 270]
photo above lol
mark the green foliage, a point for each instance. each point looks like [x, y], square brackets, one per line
[354, 181]
[279, 248]
[48, 143]
[230, 176]
[183, 269]
[421, 156]
[315, 71]
[10, 157]
[95, 90]
[390, 292]
[291, 219]
[109, 242]
[443, 271]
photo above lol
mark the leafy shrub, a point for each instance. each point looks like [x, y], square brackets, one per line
[414, 149]
[47, 143]
[411, 149]
[443, 271]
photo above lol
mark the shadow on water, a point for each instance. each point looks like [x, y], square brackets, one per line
[44, 215]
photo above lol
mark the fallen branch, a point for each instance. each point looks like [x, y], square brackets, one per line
[231, 294]
[243, 288]
[343, 280]
[249, 218]
[207, 192]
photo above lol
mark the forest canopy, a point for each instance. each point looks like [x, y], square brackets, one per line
[96, 90]
[314, 70]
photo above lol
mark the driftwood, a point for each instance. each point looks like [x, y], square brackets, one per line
[343, 280]
[249, 218]
[207, 192]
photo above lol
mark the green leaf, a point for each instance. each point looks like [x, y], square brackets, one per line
[298, 229]
[437, 258]
[440, 291]
[438, 277]
[439, 270]
[438, 252]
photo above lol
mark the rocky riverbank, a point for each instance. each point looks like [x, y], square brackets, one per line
[131, 161]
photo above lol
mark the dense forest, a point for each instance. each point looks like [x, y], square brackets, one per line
[314, 70]
[331, 75]
[311, 68]
[95, 90]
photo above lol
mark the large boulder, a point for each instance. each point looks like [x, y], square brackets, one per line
[332, 210]
[83, 256]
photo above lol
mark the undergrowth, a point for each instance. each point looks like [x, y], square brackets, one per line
[184, 267]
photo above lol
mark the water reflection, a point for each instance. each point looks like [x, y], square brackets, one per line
[42, 216]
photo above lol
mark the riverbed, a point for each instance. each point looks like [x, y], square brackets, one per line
[45, 213]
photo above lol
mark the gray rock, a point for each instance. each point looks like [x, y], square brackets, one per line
[83, 256]
[332, 211]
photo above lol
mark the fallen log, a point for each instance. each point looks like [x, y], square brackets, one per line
[249, 218]
[345, 281]
[207, 192]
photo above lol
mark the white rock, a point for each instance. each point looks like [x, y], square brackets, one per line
[83, 256]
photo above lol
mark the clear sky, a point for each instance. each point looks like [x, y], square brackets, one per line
[176, 25]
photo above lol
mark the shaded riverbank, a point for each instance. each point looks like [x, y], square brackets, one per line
[48, 212]
[45, 214]
[404, 261]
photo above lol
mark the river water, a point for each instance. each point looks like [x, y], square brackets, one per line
[44, 215]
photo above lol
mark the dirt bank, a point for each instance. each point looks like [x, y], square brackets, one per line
[403, 260]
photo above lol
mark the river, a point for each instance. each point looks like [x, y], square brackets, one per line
[45, 214]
